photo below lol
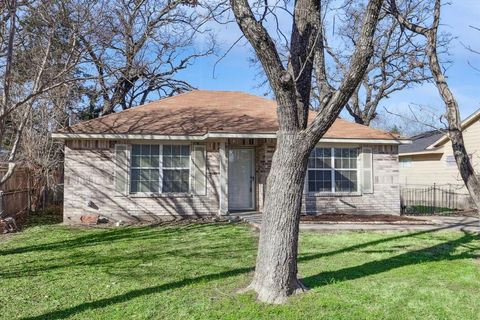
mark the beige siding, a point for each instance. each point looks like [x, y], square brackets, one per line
[428, 169]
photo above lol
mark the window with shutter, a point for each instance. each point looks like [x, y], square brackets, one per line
[333, 170]
[160, 168]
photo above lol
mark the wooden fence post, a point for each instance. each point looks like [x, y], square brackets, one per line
[1, 204]
[29, 194]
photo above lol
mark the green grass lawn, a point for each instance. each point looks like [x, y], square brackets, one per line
[194, 271]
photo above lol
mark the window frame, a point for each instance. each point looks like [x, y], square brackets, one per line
[405, 162]
[450, 160]
[332, 170]
[160, 168]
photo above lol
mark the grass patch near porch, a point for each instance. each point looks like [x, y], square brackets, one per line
[193, 272]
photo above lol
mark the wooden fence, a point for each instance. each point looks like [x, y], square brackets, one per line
[18, 196]
[433, 199]
[15, 194]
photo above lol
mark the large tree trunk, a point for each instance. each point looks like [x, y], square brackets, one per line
[453, 115]
[462, 159]
[276, 269]
[455, 134]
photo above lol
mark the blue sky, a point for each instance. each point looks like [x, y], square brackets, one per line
[234, 72]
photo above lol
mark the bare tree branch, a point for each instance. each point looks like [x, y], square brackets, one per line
[464, 164]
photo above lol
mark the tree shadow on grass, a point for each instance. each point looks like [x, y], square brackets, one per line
[373, 243]
[440, 252]
[92, 260]
[102, 303]
[105, 236]
[443, 251]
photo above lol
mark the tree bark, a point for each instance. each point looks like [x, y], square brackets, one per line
[455, 134]
[276, 268]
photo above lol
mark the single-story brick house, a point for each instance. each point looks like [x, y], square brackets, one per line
[209, 152]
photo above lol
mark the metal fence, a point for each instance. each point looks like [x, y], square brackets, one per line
[434, 199]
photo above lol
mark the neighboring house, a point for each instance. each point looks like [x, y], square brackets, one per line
[209, 152]
[429, 159]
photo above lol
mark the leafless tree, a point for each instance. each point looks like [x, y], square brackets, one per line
[399, 59]
[410, 121]
[138, 49]
[39, 153]
[473, 50]
[455, 134]
[398, 62]
[38, 52]
[276, 267]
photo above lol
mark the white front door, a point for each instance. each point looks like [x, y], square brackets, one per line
[241, 179]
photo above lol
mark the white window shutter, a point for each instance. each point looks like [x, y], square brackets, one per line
[367, 170]
[198, 170]
[122, 168]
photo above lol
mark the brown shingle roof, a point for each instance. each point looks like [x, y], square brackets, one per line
[201, 111]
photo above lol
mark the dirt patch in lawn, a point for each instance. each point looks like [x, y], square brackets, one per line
[103, 223]
[352, 218]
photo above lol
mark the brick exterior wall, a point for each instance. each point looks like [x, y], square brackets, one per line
[89, 186]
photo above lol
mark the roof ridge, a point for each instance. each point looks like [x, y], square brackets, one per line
[371, 128]
[192, 112]
[427, 133]
[132, 108]
[158, 100]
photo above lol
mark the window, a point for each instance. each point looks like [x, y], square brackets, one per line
[176, 168]
[451, 162]
[160, 168]
[333, 170]
[320, 170]
[405, 162]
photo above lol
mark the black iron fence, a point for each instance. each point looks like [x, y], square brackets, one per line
[434, 199]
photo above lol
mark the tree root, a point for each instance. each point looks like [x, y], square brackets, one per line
[274, 296]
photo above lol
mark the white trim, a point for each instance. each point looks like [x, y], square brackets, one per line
[465, 123]
[240, 135]
[113, 136]
[365, 141]
[438, 151]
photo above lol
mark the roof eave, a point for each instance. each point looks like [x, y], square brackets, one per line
[210, 135]
[465, 123]
[401, 154]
